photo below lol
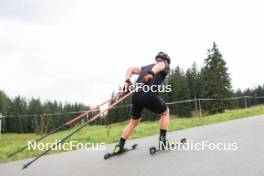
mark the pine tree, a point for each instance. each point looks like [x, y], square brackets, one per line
[35, 107]
[240, 102]
[4, 103]
[216, 81]
[194, 82]
[193, 76]
[180, 91]
[18, 123]
[260, 93]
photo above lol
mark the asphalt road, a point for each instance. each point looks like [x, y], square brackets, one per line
[248, 160]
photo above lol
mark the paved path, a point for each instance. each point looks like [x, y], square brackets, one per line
[247, 160]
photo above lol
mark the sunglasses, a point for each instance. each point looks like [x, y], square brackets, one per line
[159, 60]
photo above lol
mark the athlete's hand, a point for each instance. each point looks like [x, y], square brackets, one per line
[126, 85]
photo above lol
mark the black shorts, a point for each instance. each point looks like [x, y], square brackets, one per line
[149, 100]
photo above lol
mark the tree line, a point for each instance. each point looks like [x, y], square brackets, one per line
[40, 119]
[212, 80]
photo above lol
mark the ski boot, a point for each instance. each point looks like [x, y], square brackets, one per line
[119, 149]
[163, 143]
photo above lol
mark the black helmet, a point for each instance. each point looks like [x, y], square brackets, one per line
[163, 56]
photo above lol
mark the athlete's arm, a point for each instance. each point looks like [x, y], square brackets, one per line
[158, 67]
[132, 71]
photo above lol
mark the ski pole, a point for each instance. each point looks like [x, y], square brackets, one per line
[78, 129]
[66, 124]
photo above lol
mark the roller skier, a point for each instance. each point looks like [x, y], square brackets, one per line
[150, 75]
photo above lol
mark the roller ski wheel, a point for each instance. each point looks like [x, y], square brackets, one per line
[153, 150]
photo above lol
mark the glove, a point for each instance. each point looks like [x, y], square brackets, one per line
[149, 76]
[126, 85]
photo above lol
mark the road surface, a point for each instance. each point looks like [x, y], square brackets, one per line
[248, 133]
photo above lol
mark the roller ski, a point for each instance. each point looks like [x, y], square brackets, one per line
[119, 150]
[164, 145]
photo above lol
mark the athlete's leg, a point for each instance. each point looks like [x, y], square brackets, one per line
[127, 131]
[164, 124]
[157, 105]
[136, 114]
[165, 119]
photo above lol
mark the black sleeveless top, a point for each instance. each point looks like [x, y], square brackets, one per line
[158, 78]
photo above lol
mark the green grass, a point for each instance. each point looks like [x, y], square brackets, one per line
[10, 142]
